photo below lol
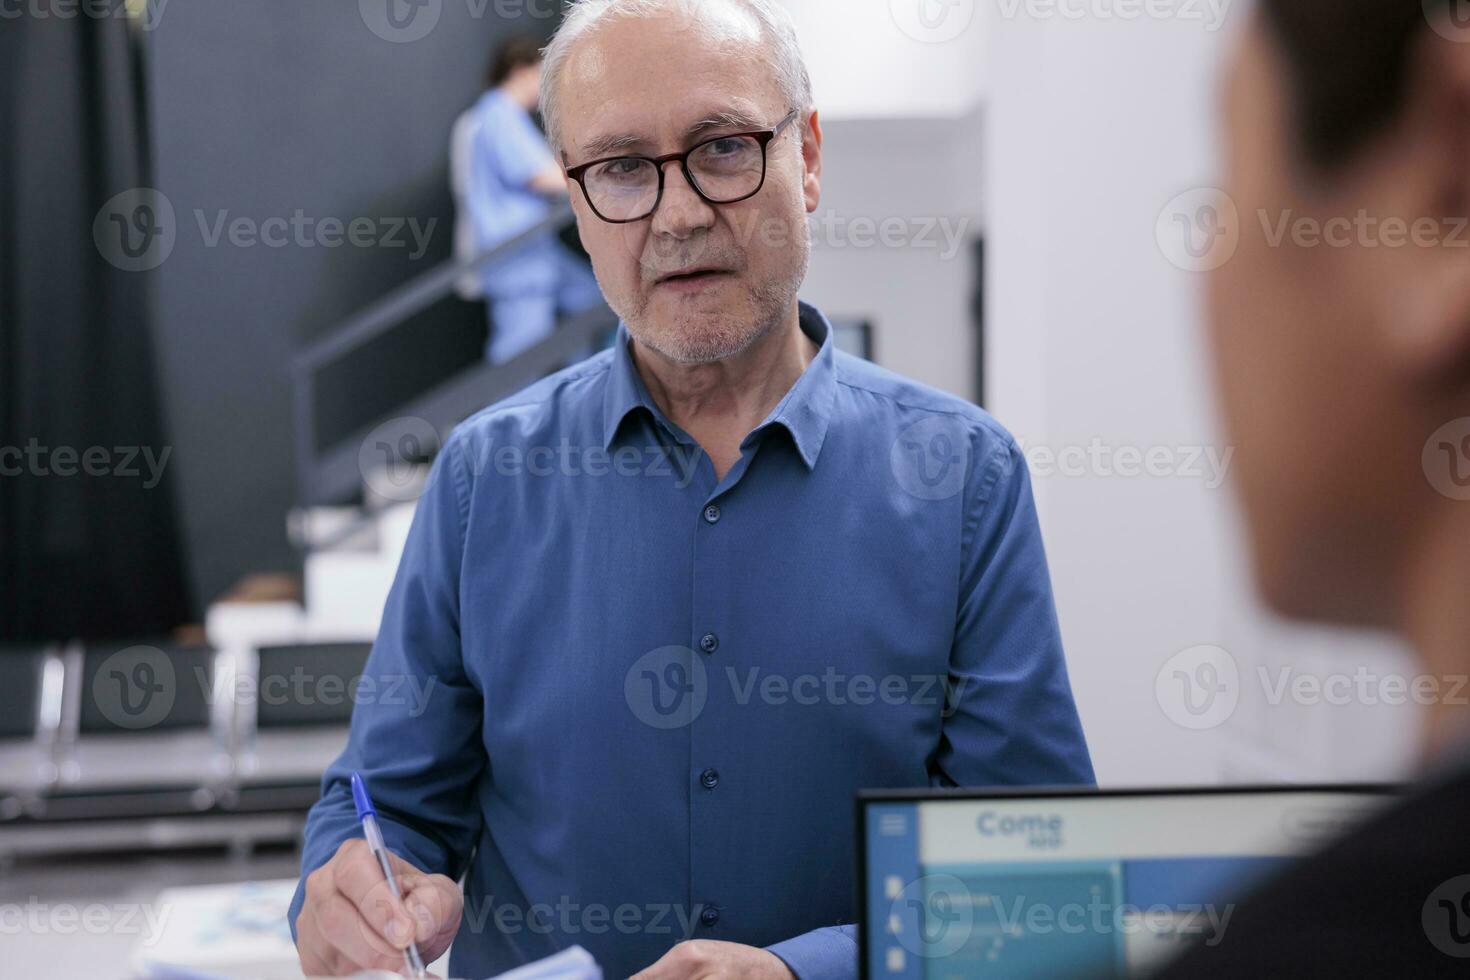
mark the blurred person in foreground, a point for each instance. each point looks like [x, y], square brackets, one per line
[682, 600]
[505, 180]
[1345, 373]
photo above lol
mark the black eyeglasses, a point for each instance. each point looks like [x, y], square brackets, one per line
[722, 170]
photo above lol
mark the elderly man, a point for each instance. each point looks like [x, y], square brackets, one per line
[680, 601]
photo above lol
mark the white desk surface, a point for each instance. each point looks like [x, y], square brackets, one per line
[120, 885]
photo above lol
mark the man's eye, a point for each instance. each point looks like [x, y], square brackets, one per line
[726, 147]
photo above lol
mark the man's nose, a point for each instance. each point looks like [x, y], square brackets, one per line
[682, 210]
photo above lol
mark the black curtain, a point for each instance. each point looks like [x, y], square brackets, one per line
[89, 543]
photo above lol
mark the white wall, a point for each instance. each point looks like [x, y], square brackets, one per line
[877, 59]
[1093, 125]
[921, 178]
[902, 118]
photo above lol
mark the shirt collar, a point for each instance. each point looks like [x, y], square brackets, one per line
[804, 412]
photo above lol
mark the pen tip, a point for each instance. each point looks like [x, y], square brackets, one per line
[360, 798]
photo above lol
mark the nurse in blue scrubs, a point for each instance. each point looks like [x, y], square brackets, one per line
[506, 180]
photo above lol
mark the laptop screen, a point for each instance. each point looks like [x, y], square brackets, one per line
[1106, 884]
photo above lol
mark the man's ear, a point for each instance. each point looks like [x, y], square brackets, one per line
[1430, 326]
[811, 154]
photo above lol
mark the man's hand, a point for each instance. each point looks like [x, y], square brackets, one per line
[350, 920]
[700, 958]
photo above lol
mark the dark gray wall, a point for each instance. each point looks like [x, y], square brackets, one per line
[260, 109]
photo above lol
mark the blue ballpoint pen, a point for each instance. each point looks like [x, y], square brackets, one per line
[369, 817]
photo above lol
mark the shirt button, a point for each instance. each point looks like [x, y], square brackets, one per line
[710, 915]
[709, 779]
[712, 514]
[709, 643]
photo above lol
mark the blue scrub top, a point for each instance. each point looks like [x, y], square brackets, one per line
[504, 150]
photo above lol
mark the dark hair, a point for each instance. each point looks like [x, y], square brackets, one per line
[1348, 61]
[518, 52]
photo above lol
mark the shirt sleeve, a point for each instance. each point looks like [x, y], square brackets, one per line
[822, 954]
[1010, 718]
[416, 721]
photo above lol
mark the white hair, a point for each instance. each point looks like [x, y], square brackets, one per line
[583, 16]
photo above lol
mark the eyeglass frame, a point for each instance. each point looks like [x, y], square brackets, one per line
[764, 136]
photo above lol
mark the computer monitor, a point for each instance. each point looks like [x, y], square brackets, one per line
[1068, 882]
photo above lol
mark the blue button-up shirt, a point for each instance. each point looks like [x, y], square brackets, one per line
[648, 695]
